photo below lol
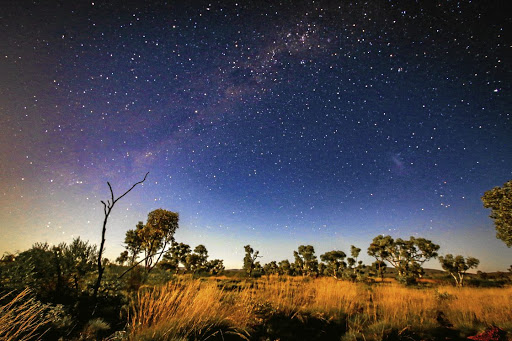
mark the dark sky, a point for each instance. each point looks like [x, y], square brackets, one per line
[269, 123]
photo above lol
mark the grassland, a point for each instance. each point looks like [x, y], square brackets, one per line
[22, 318]
[291, 308]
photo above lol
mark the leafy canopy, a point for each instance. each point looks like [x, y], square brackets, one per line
[499, 200]
[457, 266]
[407, 256]
[151, 239]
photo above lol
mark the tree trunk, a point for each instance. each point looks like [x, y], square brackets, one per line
[107, 208]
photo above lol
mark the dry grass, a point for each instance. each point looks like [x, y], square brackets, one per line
[187, 309]
[191, 308]
[21, 318]
[485, 306]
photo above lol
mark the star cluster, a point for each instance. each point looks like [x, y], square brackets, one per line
[275, 124]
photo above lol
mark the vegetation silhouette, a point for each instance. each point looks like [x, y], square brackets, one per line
[175, 292]
[499, 200]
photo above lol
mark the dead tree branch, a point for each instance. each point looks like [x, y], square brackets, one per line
[107, 209]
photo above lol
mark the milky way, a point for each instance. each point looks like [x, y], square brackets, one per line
[270, 124]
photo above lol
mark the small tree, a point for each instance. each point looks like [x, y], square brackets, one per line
[334, 263]
[215, 266]
[305, 260]
[250, 257]
[284, 267]
[457, 266]
[123, 258]
[157, 234]
[151, 239]
[78, 260]
[407, 256]
[499, 200]
[356, 268]
[271, 268]
[198, 260]
[176, 255]
[322, 269]
[378, 268]
[378, 250]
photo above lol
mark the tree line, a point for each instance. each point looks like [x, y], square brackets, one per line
[406, 256]
[148, 243]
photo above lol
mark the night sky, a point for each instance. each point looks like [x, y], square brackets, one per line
[268, 123]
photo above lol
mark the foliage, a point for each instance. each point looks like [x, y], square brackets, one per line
[356, 268]
[176, 255]
[78, 261]
[55, 274]
[215, 266]
[197, 261]
[377, 269]
[151, 239]
[335, 264]
[250, 257]
[94, 328]
[123, 258]
[499, 200]
[457, 266]
[194, 262]
[305, 260]
[406, 256]
[133, 242]
[284, 267]
[271, 268]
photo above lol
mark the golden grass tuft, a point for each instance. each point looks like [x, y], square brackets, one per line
[22, 318]
[185, 309]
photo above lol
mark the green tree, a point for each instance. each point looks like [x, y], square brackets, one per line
[271, 268]
[305, 260]
[123, 257]
[378, 250]
[133, 242]
[457, 266]
[78, 260]
[378, 268]
[151, 239]
[499, 200]
[33, 268]
[250, 258]
[215, 266]
[407, 256]
[356, 268]
[197, 261]
[284, 267]
[322, 269]
[176, 255]
[335, 264]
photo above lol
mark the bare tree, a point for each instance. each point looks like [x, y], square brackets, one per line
[107, 208]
